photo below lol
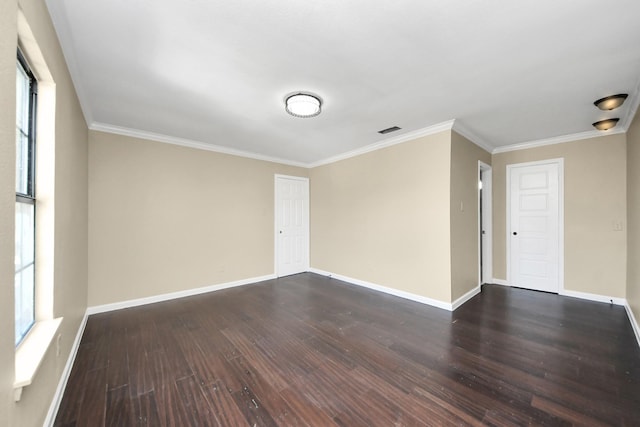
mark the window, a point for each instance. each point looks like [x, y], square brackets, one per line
[26, 93]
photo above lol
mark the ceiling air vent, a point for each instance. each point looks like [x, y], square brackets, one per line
[389, 130]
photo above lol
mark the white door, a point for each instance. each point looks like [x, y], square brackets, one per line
[535, 223]
[292, 225]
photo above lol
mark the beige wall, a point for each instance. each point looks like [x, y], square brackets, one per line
[464, 214]
[165, 218]
[383, 217]
[633, 216]
[70, 226]
[594, 198]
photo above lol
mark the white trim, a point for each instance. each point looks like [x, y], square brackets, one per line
[454, 125]
[409, 136]
[560, 163]
[395, 292]
[634, 322]
[276, 249]
[174, 295]
[30, 353]
[472, 136]
[592, 297]
[558, 140]
[183, 142]
[575, 294]
[466, 297]
[634, 97]
[62, 384]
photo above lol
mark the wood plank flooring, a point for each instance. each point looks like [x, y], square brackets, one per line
[306, 350]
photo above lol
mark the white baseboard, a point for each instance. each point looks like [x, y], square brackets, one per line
[57, 397]
[593, 297]
[464, 298]
[398, 293]
[174, 295]
[576, 294]
[634, 322]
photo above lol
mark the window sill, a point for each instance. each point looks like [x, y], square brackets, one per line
[31, 351]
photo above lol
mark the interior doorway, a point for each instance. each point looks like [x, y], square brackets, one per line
[534, 225]
[291, 225]
[485, 223]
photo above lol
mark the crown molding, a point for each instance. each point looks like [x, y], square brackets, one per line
[557, 140]
[472, 136]
[634, 97]
[151, 136]
[409, 136]
[157, 137]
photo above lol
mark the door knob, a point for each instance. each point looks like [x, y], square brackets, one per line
[515, 233]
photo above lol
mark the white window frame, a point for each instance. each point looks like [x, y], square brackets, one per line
[31, 351]
[25, 193]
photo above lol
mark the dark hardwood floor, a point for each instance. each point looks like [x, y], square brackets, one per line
[309, 350]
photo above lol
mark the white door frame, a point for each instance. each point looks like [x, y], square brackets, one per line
[276, 216]
[485, 223]
[560, 163]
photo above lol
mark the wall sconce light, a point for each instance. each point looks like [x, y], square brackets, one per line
[605, 124]
[611, 102]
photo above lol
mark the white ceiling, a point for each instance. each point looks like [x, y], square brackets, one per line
[214, 73]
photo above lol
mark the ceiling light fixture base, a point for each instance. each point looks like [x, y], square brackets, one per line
[303, 104]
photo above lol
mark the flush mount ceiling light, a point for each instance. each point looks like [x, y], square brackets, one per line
[303, 104]
[611, 102]
[606, 124]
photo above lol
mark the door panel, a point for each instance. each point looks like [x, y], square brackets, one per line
[292, 225]
[534, 221]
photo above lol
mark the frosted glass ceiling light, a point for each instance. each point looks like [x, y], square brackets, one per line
[606, 124]
[611, 102]
[303, 104]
